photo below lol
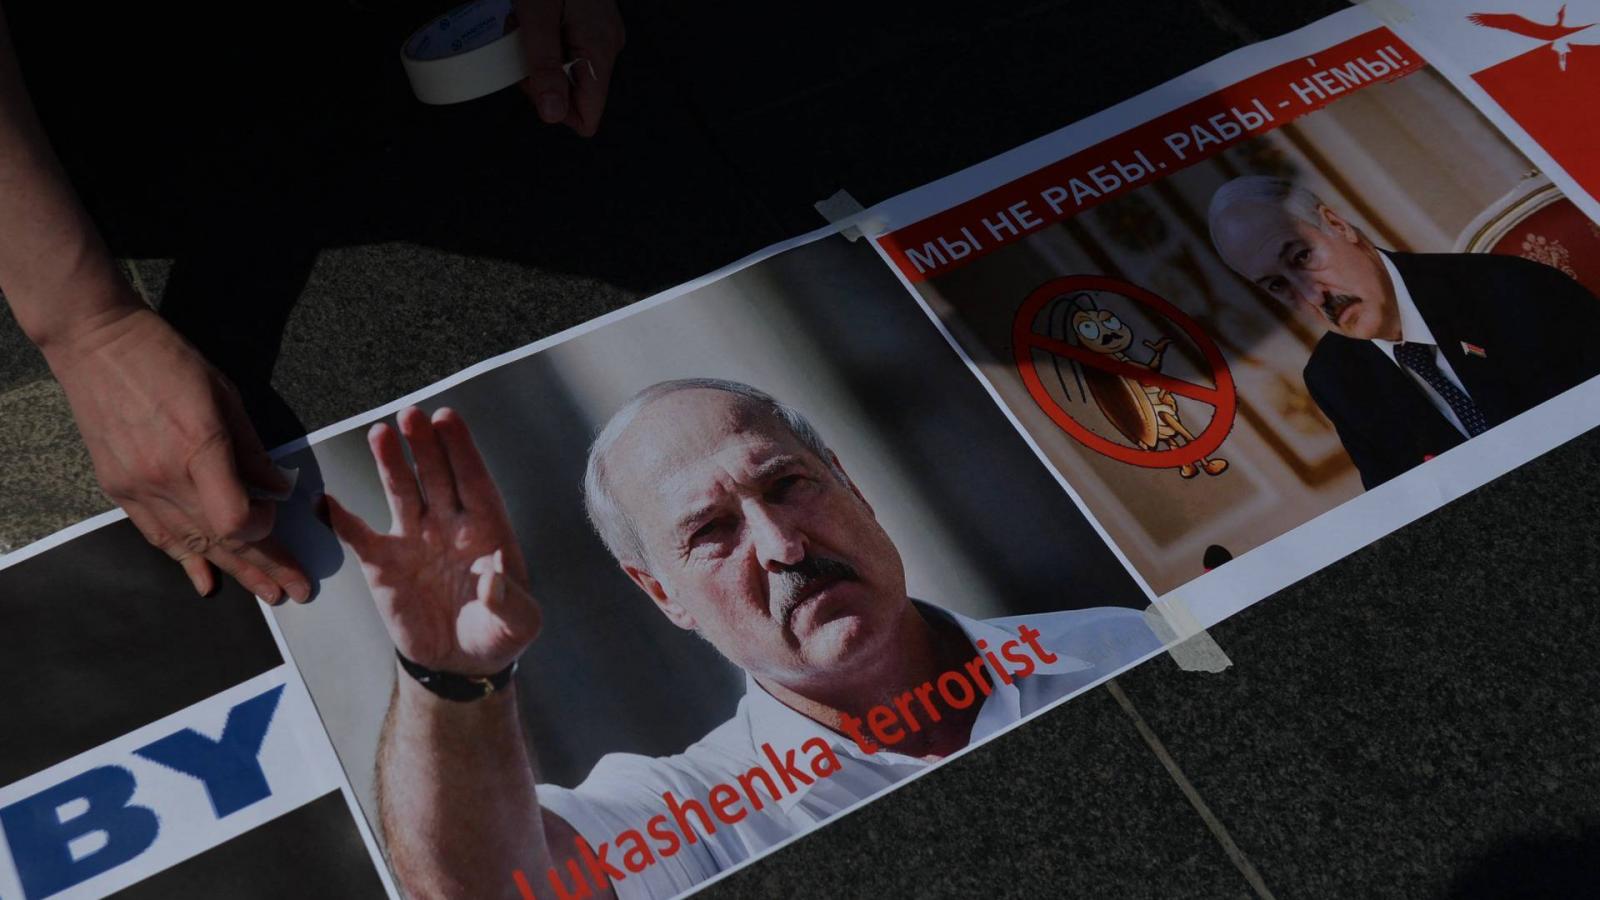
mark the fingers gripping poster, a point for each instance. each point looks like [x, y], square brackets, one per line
[630, 608]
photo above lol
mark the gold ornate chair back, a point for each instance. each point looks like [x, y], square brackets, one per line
[1536, 221]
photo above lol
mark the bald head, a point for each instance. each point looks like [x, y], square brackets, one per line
[728, 511]
[1285, 240]
[660, 428]
[1244, 207]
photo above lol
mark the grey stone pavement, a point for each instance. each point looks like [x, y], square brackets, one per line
[1417, 720]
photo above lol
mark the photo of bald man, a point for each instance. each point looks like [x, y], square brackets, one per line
[735, 519]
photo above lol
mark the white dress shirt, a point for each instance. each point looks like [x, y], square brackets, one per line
[624, 790]
[1413, 329]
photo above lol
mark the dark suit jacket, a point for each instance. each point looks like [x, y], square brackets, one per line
[1539, 330]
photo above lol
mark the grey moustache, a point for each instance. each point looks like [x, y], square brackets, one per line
[798, 580]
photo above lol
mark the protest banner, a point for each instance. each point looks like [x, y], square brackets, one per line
[629, 608]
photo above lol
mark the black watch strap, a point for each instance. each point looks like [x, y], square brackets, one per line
[461, 688]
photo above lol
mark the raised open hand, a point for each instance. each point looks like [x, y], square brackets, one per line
[448, 577]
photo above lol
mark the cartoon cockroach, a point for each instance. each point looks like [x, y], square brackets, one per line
[1145, 414]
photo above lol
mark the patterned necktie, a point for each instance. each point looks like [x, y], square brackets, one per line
[1419, 358]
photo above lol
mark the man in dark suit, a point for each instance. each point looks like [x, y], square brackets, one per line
[1424, 350]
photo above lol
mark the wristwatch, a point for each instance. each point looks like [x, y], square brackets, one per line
[460, 688]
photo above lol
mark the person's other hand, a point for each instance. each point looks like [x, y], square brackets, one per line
[172, 446]
[556, 31]
[449, 579]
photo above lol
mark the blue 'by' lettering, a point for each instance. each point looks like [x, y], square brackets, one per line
[70, 832]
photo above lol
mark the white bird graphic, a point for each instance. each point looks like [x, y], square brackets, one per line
[1557, 34]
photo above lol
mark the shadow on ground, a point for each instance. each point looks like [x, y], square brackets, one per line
[1542, 864]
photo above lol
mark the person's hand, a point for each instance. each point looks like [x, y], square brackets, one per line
[172, 446]
[587, 32]
[448, 578]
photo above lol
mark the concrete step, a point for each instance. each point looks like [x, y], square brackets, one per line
[46, 478]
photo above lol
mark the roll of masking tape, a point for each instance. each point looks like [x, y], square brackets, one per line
[466, 53]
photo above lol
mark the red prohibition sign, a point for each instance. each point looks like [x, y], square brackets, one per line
[1024, 340]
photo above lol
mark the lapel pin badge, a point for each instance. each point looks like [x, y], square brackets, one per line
[1473, 350]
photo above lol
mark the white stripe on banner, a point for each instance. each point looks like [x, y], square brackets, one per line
[166, 792]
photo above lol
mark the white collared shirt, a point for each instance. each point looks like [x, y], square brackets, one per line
[624, 790]
[1413, 329]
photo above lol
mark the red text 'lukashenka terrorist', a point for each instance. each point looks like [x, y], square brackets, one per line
[665, 835]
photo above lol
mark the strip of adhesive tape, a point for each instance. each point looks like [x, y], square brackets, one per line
[468, 52]
[1189, 645]
[1391, 11]
[845, 211]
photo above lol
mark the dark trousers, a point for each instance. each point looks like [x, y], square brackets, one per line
[220, 148]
